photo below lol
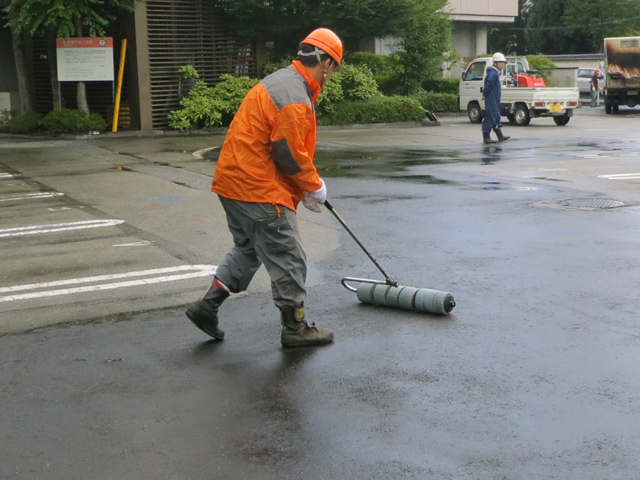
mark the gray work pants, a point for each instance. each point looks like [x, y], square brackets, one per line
[264, 233]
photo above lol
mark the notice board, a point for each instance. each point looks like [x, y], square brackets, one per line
[85, 59]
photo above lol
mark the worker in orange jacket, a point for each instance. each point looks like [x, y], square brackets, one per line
[264, 170]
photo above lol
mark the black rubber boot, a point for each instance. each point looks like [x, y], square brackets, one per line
[501, 137]
[296, 332]
[486, 138]
[204, 313]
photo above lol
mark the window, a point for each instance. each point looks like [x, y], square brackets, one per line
[475, 71]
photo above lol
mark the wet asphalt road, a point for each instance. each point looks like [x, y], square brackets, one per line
[533, 376]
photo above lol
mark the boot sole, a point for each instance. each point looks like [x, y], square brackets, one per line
[204, 326]
[306, 344]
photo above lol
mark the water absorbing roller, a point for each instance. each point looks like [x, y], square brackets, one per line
[380, 292]
[389, 292]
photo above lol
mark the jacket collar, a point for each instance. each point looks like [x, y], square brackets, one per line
[314, 86]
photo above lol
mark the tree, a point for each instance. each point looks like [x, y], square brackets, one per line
[289, 21]
[425, 39]
[508, 38]
[64, 18]
[26, 102]
[590, 21]
[545, 30]
[578, 26]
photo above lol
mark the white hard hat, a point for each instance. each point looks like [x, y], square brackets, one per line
[498, 57]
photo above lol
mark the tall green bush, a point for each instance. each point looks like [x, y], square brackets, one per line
[543, 65]
[383, 67]
[354, 84]
[358, 83]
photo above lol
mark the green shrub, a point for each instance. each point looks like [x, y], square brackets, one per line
[5, 116]
[231, 91]
[200, 110]
[378, 109]
[438, 102]
[72, 121]
[273, 66]
[442, 85]
[189, 72]
[20, 124]
[208, 107]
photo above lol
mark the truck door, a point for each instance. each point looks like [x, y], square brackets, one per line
[472, 83]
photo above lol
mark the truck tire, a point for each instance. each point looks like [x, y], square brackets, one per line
[521, 116]
[511, 118]
[607, 106]
[475, 112]
[561, 120]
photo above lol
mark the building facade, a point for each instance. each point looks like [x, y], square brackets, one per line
[471, 19]
[162, 36]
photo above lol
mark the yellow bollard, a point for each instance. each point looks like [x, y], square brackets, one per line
[116, 109]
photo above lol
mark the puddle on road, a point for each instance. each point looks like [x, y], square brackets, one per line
[380, 163]
[373, 199]
[498, 186]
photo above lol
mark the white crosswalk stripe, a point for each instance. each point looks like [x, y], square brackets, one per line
[621, 176]
[57, 227]
[105, 282]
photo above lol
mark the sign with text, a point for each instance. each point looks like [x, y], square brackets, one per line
[85, 59]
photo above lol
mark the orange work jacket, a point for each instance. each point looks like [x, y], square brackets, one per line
[267, 155]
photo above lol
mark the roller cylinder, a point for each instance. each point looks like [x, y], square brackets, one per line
[407, 298]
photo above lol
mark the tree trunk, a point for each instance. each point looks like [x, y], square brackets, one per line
[53, 68]
[83, 105]
[26, 102]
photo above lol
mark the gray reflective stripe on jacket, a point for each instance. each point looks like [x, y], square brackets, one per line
[286, 86]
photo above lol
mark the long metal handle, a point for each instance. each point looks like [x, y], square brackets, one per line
[389, 280]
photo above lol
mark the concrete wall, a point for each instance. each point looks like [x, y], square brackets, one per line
[493, 11]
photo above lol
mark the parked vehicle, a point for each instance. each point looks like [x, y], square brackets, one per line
[622, 76]
[584, 80]
[524, 95]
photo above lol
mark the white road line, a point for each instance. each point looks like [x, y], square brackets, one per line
[621, 176]
[29, 196]
[57, 227]
[4, 175]
[143, 243]
[193, 271]
[208, 269]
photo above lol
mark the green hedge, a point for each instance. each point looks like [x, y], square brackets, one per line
[21, 124]
[56, 122]
[374, 110]
[72, 121]
[442, 85]
[438, 102]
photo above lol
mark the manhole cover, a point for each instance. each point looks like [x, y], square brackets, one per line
[589, 203]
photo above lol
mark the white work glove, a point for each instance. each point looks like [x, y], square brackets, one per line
[313, 200]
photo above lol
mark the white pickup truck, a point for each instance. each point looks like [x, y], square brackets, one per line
[519, 103]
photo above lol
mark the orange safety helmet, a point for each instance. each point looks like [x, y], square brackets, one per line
[327, 41]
